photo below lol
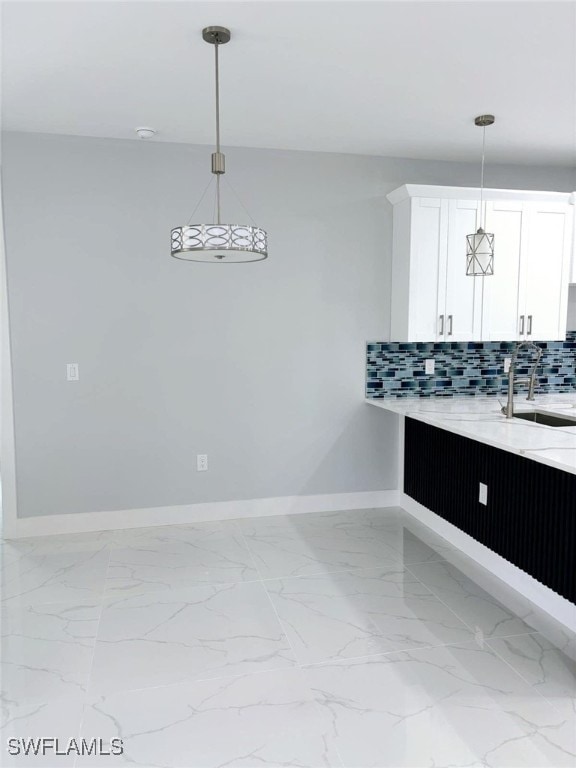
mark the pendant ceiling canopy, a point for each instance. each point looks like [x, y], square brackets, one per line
[217, 242]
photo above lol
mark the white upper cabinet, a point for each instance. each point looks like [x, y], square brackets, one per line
[463, 293]
[507, 221]
[432, 297]
[544, 272]
[526, 299]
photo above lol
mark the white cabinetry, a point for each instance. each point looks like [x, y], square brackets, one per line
[432, 297]
[463, 293]
[507, 221]
[544, 273]
[526, 298]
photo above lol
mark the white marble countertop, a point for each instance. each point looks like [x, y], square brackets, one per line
[479, 418]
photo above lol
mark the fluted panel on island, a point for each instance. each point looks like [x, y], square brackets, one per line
[530, 518]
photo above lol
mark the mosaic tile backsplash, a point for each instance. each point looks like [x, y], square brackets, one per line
[395, 369]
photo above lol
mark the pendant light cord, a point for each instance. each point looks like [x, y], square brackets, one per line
[237, 196]
[199, 201]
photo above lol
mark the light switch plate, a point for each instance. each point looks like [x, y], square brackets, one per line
[72, 371]
[429, 366]
[507, 363]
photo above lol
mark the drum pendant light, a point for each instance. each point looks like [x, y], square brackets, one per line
[480, 245]
[218, 242]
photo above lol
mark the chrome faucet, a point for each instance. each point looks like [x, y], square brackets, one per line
[508, 409]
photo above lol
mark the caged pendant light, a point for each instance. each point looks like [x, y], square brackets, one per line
[480, 245]
[218, 242]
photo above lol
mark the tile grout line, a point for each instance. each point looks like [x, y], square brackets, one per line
[356, 569]
[238, 531]
[396, 565]
[261, 580]
[520, 675]
[90, 670]
[438, 597]
[301, 665]
[397, 561]
[466, 624]
[298, 665]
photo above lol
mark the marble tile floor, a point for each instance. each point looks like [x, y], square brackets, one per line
[341, 640]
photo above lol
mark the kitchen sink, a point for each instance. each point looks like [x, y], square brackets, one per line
[548, 419]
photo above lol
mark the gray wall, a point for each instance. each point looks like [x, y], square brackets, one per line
[259, 365]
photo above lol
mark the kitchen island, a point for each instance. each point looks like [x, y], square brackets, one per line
[480, 418]
[503, 490]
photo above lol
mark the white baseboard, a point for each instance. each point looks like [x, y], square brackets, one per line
[549, 601]
[84, 522]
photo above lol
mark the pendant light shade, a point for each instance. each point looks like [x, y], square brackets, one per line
[480, 253]
[233, 243]
[480, 245]
[217, 242]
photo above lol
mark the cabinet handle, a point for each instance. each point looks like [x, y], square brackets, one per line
[529, 331]
[521, 325]
[450, 318]
[441, 332]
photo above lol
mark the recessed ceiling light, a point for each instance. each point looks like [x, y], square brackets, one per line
[145, 133]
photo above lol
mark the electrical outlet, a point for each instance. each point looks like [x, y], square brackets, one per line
[202, 462]
[507, 364]
[429, 365]
[483, 494]
[72, 371]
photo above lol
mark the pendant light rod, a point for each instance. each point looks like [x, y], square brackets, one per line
[482, 214]
[482, 121]
[217, 36]
[217, 74]
[218, 153]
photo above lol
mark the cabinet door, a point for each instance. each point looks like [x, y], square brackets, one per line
[544, 270]
[429, 236]
[463, 292]
[507, 221]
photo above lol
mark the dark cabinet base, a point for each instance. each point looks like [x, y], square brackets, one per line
[530, 518]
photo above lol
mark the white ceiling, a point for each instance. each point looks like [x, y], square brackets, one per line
[385, 78]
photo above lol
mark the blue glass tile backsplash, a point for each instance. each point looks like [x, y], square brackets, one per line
[395, 369]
